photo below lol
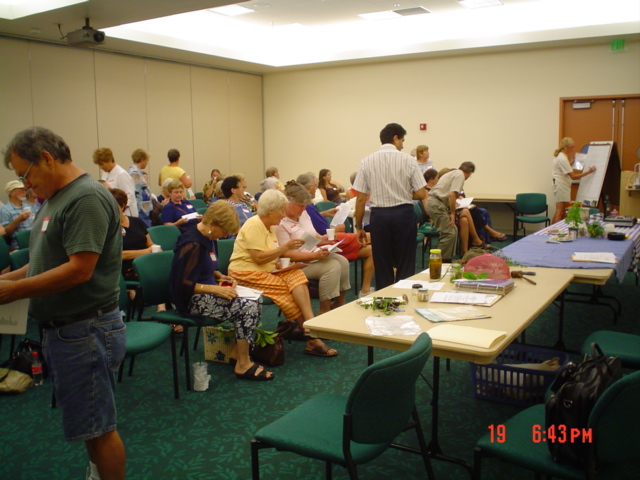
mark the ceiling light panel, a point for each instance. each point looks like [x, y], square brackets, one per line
[386, 15]
[12, 9]
[231, 10]
[480, 3]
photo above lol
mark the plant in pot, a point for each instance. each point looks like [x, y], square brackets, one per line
[595, 230]
[573, 218]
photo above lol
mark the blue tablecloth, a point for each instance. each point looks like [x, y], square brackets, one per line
[534, 251]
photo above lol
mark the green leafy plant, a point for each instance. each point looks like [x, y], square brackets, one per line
[387, 305]
[595, 230]
[573, 218]
[458, 274]
[265, 337]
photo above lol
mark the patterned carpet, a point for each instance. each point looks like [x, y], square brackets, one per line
[206, 435]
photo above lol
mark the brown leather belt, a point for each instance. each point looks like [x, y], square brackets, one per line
[78, 318]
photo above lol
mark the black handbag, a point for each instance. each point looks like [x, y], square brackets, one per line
[268, 347]
[577, 390]
[22, 357]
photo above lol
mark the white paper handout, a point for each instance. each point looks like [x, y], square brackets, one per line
[598, 257]
[396, 325]
[425, 284]
[246, 292]
[468, 298]
[310, 241]
[463, 203]
[472, 336]
[13, 317]
[190, 216]
[341, 215]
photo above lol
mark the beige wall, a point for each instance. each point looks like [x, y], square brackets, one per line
[499, 110]
[96, 99]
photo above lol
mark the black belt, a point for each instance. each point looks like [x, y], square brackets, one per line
[402, 205]
[78, 318]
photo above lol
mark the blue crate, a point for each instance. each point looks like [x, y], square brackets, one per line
[502, 381]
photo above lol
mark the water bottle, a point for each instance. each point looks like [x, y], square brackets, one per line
[36, 369]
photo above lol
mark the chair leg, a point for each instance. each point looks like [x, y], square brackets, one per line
[174, 364]
[120, 370]
[352, 468]
[185, 349]
[255, 461]
[328, 468]
[133, 357]
[423, 444]
[477, 459]
[195, 340]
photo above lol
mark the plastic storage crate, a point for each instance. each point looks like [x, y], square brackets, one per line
[503, 381]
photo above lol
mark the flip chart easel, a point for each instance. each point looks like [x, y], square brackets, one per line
[605, 180]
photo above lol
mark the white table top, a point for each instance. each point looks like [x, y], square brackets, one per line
[512, 314]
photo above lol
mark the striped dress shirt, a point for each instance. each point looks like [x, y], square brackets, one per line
[390, 176]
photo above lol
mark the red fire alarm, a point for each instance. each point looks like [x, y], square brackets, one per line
[423, 126]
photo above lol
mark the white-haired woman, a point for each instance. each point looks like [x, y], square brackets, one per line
[254, 258]
[330, 269]
[563, 173]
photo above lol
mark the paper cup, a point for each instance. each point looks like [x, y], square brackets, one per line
[156, 248]
[331, 234]
[200, 377]
[27, 209]
[284, 262]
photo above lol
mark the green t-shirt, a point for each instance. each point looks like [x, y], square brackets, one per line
[82, 217]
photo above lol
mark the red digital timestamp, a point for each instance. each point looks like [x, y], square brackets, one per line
[553, 434]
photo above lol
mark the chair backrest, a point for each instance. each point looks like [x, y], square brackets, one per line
[23, 238]
[5, 259]
[197, 203]
[164, 235]
[417, 210]
[531, 203]
[153, 273]
[225, 249]
[201, 210]
[615, 420]
[19, 258]
[381, 402]
[199, 195]
[322, 206]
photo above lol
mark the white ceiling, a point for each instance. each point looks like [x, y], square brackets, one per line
[286, 34]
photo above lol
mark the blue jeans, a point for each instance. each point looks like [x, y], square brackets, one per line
[82, 358]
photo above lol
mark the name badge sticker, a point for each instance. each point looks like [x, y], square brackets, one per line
[213, 257]
[45, 224]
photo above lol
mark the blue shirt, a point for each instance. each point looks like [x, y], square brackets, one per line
[8, 213]
[319, 222]
[172, 212]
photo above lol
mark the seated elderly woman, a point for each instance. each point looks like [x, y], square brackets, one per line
[253, 262]
[173, 213]
[198, 289]
[135, 239]
[330, 269]
[233, 192]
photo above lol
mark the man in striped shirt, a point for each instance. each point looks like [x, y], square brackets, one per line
[394, 181]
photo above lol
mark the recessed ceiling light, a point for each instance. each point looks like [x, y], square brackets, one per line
[386, 15]
[479, 3]
[231, 10]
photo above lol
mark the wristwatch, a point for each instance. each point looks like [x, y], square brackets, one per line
[360, 227]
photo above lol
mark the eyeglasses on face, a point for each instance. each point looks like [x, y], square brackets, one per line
[23, 178]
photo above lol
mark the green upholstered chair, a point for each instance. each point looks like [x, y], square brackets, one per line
[528, 209]
[23, 238]
[626, 346]
[5, 259]
[615, 433]
[164, 235]
[357, 429]
[143, 337]
[428, 231]
[19, 258]
[153, 273]
[199, 195]
[325, 205]
[198, 203]
[201, 210]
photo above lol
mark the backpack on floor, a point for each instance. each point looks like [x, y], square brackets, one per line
[577, 390]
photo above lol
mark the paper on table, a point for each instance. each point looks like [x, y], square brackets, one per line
[598, 257]
[463, 202]
[341, 215]
[310, 241]
[451, 314]
[457, 296]
[408, 284]
[472, 336]
[13, 317]
[398, 325]
[246, 292]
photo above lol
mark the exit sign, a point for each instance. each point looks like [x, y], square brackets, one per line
[617, 45]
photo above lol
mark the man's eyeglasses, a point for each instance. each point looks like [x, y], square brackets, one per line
[23, 178]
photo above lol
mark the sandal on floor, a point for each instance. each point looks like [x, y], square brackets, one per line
[500, 238]
[251, 374]
[320, 351]
[177, 328]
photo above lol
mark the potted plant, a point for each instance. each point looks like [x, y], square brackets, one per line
[595, 230]
[573, 219]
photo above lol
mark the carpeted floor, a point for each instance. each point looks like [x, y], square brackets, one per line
[206, 435]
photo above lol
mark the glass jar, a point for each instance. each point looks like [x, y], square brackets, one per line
[435, 264]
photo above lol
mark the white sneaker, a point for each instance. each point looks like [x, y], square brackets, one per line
[360, 294]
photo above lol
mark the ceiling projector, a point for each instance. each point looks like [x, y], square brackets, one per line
[85, 37]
